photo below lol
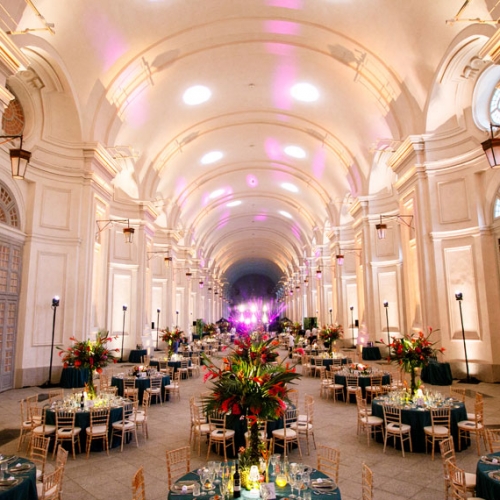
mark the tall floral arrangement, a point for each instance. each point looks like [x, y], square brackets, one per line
[170, 336]
[247, 386]
[209, 328]
[93, 355]
[412, 352]
[330, 333]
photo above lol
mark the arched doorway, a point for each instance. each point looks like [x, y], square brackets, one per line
[10, 283]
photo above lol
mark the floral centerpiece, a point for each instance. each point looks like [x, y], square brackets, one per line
[412, 352]
[93, 355]
[169, 337]
[330, 333]
[209, 328]
[360, 367]
[247, 387]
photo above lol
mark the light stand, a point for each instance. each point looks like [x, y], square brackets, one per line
[386, 305]
[177, 319]
[331, 321]
[157, 328]
[55, 305]
[123, 331]
[352, 324]
[469, 380]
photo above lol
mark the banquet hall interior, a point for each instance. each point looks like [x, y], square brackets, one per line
[262, 163]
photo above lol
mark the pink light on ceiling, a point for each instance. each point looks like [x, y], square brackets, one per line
[286, 4]
[282, 27]
[284, 77]
[296, 232]
[260, 217]
[273, 149]
[252, 181]
[319, 163]
[138, 110]
[104, 38]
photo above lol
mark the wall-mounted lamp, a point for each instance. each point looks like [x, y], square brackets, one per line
[128, 232]
[167, 259]
[318, 273]
[201, 283]
[189, 275]
[340, 256]
[381, 227]
[306, 281]
[19, 158]
[491, 148]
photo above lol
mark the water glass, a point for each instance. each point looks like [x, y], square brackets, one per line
[196, 489]
[3, 468]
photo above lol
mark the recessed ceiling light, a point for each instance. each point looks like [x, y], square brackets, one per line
[295, 152]
[290, 187]
[234, 203]
[216, 193]
[285, 214]
[211, 157]
[196, 95]
[305, 92]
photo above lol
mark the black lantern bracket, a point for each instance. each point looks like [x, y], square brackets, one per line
[381, 227]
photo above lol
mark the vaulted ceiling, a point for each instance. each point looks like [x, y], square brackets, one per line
[258, 208]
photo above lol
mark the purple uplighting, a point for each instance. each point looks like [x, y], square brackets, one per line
[282, 27]
[286, 4]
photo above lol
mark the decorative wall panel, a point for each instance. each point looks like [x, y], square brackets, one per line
[453, 204]
[55, 209]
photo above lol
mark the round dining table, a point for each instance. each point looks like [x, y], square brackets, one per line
[23, 480]
[418, 418]
[82, 420]
[142, 383]
[363, 381]
[176, 493]
[488, 477]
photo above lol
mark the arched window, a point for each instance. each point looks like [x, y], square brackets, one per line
[8, 208]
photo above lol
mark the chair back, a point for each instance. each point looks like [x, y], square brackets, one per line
[65, 419]
[392, 414]
[440, 417]
[217, 419]
[155, 383]
[99, 417]
[51, 487]
[493, 439]
[129, 383]
[366, 483]
[351, 381]
[61, 456]
[289, 417]
[178, 463]
[39, 449]
[328, 460]
[456, 481]
[457, 393]
[138, 485]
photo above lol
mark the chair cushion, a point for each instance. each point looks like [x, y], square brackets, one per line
[222, 433]
[123, 424]
[97, 430]
[439, 430]
[280, 433]
[49, 429]
[468, 425]
[68, 431]
[48, 493]
[371, 420]
[395, 427]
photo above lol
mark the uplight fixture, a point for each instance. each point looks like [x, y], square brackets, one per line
[197, 94]
[304, 92]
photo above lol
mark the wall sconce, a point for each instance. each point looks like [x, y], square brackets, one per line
[340, 255]
[306, 281]
[201, 283]
[167, 260]
[189, 275]
[381, 227]
[491, 148]
[318, 273]
[19, 158]
[128, 232]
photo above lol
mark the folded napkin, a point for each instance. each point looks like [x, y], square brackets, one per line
[183, 486]
[320, 483]
[20, 467]
[490, 460]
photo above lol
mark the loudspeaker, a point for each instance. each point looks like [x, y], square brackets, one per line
[152, 325]
[194, 323]
[356, 323]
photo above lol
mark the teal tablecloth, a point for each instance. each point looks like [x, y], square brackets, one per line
[142, 384]
[371, 354]
[437, 374]
[488, 487]
[136, 355]
[419, 418]
[72, 377]
[280, 492]
[26, 488]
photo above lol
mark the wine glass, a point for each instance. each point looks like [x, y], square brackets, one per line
[218, 472]
[223, 487]
[264, 491]
[292, 478]
[299, 482]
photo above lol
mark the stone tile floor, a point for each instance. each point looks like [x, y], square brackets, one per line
[103, 477]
